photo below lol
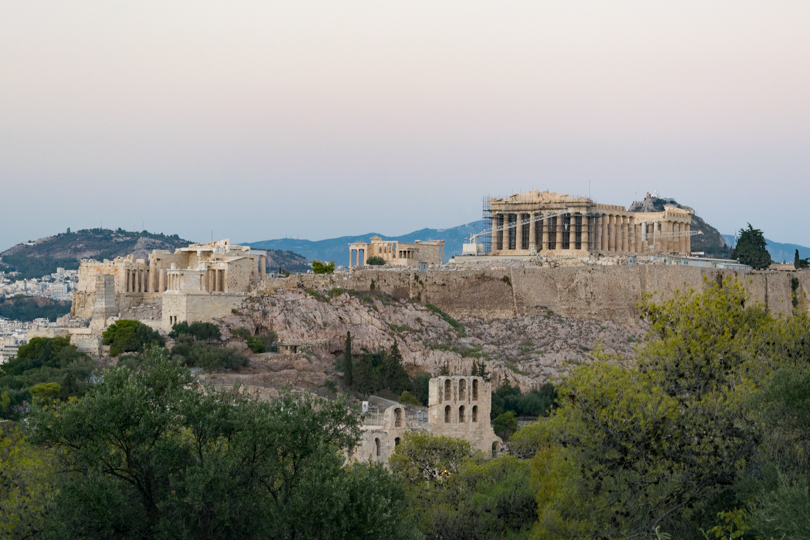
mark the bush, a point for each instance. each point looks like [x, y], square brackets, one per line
[255, 344]
[241, 332]
[130, 336]
[505, 424]
[269, 339]
[330, 385]
[323, 268]
[202, 331]
[406, 398]
[209, 357]
[376, 260]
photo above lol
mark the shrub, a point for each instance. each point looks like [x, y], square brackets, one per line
[406, 398]
[256, 345]
[210, 357]
[241, 332]
[376, 260]
[202, 331]
[320, 267]
[330, 385]
[505, 424]
[130, 336]
[269, 339]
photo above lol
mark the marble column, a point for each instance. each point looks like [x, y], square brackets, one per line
[688, 238]
[559, 232]
[584, 233]
[605, 232]
[532, 231]
[598, 236]
[631, 236]
[544, 241]
[161, 280]
[611, 233]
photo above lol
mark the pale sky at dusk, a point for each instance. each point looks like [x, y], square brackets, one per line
[316, 119]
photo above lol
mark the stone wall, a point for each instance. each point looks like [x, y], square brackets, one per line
[197, 307]
[587, 292]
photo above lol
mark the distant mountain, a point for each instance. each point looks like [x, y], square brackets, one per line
[337, 249]
[779, 252]
[42, 257]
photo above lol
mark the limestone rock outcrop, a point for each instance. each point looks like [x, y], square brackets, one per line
[527, 350]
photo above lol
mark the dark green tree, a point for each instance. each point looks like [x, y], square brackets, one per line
[145, 454]
[130, 336]
[347, 361]
[376, 260]
[751, 249]
[392, 374]
[799, 263]
[366, 379]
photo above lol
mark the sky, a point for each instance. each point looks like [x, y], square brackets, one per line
[315, 119]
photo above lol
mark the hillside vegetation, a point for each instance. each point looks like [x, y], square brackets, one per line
[28, 308]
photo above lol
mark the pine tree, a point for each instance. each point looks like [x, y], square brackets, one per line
[347, 360]
[751, 249]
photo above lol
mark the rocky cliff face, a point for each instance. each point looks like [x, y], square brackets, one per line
[527, 350]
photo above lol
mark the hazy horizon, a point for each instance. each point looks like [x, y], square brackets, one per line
[315, 120]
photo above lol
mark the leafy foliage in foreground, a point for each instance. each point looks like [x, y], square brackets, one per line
[145, 454]
[677, 439]
[453, 492]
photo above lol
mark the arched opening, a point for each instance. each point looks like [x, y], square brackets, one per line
[475, 390]
[397, 417]
[396, 442]
[377, 446]
[475, 413]
[462, 390]
[447, 414]
[461, 414]
[448, 390]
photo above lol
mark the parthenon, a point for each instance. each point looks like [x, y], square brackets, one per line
[557, 224]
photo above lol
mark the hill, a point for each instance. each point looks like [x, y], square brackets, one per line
[337, 249]
[288, 260]
[779, 252]
[42, 257]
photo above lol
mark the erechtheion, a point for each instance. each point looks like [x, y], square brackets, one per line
[397, 253]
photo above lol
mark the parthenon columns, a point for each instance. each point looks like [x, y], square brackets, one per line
[585, 244]
[560, 225]
[532, 225]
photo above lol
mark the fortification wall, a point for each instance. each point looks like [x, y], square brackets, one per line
[587, 292]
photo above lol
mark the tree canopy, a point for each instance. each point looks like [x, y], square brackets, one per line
[145, 454]
[751, 249]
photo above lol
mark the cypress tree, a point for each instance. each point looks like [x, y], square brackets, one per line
[797, 261]
[347, 360]
[751, 249]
